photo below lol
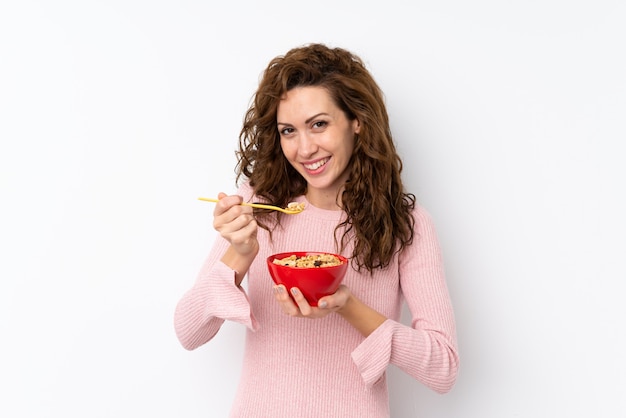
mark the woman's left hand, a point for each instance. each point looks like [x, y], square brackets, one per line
[301, 307]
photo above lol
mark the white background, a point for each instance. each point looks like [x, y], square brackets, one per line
[116, 115]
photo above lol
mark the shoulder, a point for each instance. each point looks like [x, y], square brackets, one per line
[425, 244]
[424, 222]
[420, 213]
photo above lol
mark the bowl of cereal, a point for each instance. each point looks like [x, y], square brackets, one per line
[316, 274]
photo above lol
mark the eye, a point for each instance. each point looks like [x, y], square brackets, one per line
[319, 124]
[285, 131]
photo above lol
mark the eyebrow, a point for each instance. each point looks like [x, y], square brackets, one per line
[308, 120]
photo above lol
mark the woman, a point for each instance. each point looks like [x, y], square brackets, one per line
[318, 133]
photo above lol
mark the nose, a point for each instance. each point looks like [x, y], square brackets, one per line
[306, 146]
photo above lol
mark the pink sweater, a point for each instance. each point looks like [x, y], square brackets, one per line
[296, 367]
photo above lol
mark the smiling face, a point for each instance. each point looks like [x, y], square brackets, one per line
[317, 139]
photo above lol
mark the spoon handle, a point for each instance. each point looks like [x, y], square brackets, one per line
[254, 205]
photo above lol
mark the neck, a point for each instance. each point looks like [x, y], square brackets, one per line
[324, 200]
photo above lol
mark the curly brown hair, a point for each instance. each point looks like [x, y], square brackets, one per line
[382, 227]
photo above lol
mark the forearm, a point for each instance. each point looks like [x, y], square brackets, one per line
[239, 263]
[361, 316]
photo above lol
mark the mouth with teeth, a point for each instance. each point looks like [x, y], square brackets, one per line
[316, 166]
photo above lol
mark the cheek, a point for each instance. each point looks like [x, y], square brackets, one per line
[287, 149]
[348, 149]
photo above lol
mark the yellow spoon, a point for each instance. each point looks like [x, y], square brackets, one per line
[292, 208]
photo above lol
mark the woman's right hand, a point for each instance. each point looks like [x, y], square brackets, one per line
[236, 224]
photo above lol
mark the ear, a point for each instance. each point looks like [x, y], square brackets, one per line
[356, 125]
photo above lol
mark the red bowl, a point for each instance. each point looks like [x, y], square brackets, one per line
[313, 282]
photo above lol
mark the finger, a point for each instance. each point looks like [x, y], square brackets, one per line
[226, 202]
[336, 300]
[327, 304]
[234, 219]
[286, 303]
[305, 308]
[243, 226]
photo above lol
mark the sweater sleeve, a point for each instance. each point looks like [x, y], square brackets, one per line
[426, 350]
[213, 299]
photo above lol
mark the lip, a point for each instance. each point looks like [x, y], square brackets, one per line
[307, 165]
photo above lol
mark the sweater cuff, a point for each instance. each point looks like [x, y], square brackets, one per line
[227, 301]
[373, 355]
